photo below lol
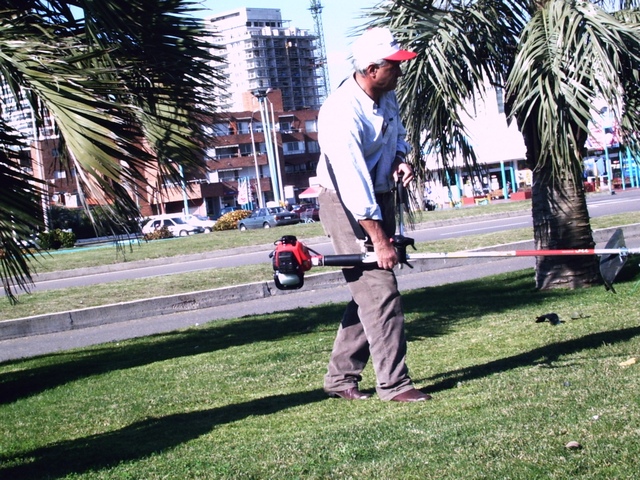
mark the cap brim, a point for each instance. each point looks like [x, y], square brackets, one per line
[401, 56]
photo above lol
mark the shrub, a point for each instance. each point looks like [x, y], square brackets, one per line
[55, 239]
[229, 221]
[159, 234]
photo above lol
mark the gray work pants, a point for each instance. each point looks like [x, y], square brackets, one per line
[373, 322]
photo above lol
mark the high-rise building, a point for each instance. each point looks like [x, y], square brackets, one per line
[261, 52]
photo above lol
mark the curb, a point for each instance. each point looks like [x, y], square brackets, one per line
[185, 302]
[151, 307]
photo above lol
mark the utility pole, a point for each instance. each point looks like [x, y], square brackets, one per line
[321, 65]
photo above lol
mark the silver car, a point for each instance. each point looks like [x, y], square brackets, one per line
[268, 217]
[176, 225]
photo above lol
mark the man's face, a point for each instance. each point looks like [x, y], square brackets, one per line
[386, 77]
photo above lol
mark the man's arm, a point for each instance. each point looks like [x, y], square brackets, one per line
[382, 246]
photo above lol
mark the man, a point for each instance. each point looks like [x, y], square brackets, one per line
[363, 150]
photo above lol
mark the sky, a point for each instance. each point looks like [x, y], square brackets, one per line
[338, 18]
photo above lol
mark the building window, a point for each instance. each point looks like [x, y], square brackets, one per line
[288, 168]
[246, 149]
[286, 126]
[228, 175]
[311, 125]
[226, 152]
[313, 146]
[220, 129]
[243, 127]
[293, 148]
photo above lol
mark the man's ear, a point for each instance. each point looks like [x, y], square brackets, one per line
[372, 69]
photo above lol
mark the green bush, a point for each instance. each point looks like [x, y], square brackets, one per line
[229, 221]
[56, 238]
[159, 234]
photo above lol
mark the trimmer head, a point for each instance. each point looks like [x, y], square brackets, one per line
[611, 264]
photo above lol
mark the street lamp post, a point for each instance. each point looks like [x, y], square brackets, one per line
[255, 161]
[185, 197]
[261, 95]
[277, 154]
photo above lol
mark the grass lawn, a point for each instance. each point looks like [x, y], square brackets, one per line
[242, 399]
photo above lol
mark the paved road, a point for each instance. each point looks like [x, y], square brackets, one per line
[599, 205]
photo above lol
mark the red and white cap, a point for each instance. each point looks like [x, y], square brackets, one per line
[378, 44]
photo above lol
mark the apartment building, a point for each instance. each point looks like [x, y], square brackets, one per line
[238, 172]
[261, 51]
[40, 155]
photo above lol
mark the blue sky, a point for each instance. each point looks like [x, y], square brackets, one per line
[338, 18]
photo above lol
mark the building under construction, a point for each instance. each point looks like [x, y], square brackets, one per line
[262, 52]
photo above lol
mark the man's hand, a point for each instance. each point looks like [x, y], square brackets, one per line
[405, 170]
[382, 246]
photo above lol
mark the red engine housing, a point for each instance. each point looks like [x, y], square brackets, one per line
[291, 259]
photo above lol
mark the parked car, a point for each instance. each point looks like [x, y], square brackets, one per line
[269, 217]
[308, 212]
[176, 225]
[200, 221]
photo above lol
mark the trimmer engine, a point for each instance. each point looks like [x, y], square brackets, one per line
[291, 259]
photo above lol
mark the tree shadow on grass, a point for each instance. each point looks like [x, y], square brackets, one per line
[546, 355]
[140, 439]
[60, 368]
[434, 310]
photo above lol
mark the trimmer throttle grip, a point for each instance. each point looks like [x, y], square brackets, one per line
[350, 260]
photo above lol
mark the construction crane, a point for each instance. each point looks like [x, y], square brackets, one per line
[321, 62]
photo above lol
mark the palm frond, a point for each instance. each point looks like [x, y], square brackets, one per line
[570, 55]
[128, 84]
[20, 211]
[461, 46]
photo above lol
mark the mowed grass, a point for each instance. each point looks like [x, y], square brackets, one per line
[242, 399]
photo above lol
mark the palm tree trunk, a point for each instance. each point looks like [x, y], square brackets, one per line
[561, 221]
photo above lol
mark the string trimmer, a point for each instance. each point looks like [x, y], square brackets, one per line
[292, 258]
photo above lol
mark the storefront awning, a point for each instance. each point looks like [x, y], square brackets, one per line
[311, 192]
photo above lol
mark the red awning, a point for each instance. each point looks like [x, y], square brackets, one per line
[311, 192]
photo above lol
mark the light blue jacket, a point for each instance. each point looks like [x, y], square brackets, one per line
[360, 139]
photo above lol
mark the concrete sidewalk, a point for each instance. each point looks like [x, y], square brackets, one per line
[60, 331]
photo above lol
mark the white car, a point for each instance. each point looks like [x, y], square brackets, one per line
[176, 225]
[200, 221]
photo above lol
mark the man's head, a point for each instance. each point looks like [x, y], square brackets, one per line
[376, 58]
[376, 47]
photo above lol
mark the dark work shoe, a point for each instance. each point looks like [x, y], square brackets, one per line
[413, 395]
[350, 394]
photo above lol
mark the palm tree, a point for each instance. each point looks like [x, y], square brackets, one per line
[126, 83]
[553, 59]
